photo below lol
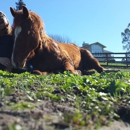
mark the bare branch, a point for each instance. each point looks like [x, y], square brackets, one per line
[61, 39]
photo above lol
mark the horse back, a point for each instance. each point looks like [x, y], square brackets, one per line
[72, 52]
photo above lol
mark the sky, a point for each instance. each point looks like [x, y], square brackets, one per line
[81, 20]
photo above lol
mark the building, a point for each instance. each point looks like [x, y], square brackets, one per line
[97, 49]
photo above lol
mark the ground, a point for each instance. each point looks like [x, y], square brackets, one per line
[47, 115]
[21, 110]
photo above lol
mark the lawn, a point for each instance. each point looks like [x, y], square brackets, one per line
[116, 64]
[63, 101]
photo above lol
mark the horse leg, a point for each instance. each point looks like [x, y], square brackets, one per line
[69, 67]
[39, 72]
[89, 62]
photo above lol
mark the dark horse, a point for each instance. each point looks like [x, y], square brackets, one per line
[46, 55]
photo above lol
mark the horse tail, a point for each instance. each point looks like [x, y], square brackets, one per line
[89, 62]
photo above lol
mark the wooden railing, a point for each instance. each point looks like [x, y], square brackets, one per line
[113, 59]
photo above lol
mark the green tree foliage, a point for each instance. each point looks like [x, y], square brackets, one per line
[19, 4]
[126, 38]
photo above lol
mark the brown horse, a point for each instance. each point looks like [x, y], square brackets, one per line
[46, 55]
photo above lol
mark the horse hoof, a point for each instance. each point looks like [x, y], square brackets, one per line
[36, 72]
[78, 72]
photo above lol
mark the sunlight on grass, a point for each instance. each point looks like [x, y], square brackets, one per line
[93, 97]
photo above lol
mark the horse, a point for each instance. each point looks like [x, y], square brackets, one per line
[33, 45]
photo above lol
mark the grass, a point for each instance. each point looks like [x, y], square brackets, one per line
[93, 97]
[118, 64]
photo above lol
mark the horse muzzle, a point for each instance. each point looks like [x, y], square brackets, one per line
[17, 64]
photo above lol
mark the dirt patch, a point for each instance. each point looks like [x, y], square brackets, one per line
[46, 115]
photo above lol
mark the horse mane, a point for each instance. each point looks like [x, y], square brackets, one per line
[35, 23]
[47, 42]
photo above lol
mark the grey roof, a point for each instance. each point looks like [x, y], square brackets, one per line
[98, 44]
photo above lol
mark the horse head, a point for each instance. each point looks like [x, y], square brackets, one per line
[27, 30]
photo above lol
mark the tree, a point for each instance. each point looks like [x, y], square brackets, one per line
[126, 41]
[126, 38]
[59, 38]
[19, 4]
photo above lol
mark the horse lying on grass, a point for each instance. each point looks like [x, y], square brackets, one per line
[33, 45]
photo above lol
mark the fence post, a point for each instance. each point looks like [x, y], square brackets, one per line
[126, 60]
[107, 59]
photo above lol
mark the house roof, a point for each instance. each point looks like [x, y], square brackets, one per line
[98, 44]
[106, 51]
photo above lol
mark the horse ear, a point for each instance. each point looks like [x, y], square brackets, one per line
[25, 12]
[12, 11]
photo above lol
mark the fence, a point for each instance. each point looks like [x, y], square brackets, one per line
[113, 59]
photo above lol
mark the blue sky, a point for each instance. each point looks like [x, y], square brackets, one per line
[81, 20]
